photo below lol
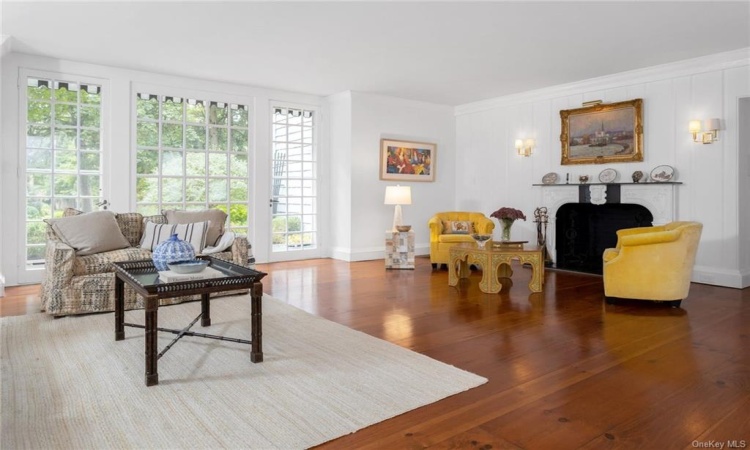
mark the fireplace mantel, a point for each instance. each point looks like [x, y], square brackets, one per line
[659, 198]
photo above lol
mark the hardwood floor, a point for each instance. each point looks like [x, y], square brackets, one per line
[565, 370]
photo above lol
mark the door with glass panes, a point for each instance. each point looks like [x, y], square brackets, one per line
[61, 157]
[294, 185]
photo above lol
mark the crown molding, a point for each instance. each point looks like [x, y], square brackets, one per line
[718, 61]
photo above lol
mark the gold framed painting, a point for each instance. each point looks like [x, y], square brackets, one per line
[600, 134]
[407, 161]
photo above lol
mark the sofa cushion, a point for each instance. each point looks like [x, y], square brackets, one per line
[90, 233]
[458, 227]
[102, 262]
[131, 226]
[217, 218]
[194, 233]
[455, 238]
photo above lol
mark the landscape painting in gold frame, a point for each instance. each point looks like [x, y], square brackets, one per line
[599, 134]
[407, 161]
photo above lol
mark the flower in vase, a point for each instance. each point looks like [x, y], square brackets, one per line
[507, 216]
[508, 213]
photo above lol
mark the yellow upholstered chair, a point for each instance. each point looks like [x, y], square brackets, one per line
[441, 239]
[652, 263]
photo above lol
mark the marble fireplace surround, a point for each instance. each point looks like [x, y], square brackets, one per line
[659, 198]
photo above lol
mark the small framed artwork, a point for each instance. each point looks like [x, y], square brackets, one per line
[407, 161]
[603, 133]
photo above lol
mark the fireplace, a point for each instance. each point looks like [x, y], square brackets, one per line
[584, 230]
[630, 204]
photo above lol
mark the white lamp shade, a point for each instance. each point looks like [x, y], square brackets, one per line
[519, 144]
[694, 126]
[712, 124]
[398, 195]
[530, 143]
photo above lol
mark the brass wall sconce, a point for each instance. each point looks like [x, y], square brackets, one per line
[711, 133]
[525, 147]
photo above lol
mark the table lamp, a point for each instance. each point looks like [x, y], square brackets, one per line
[397, 195]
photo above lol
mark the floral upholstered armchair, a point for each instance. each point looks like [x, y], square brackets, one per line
[453, 227]
[80, 282]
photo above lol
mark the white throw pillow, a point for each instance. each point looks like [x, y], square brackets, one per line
[226, 241]
[194, 233]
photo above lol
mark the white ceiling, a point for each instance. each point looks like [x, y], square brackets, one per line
[446, 52]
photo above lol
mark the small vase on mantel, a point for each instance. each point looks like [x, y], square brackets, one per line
[506, 225]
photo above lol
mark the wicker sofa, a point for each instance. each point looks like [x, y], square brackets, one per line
[76, 284]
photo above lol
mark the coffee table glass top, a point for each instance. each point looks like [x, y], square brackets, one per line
[145, 274]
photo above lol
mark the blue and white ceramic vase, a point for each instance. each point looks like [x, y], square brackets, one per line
[172, 250]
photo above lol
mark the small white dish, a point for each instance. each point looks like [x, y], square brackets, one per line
[662, 174]
[608, 176]
[192, 266]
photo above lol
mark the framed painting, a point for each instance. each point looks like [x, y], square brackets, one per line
[407, 161]
[603, 133]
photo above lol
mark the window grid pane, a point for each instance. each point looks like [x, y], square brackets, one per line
[63, 154]
[192, 154]
[294, 179]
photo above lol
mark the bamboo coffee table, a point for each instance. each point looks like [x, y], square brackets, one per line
[143, 277]
[495, 262]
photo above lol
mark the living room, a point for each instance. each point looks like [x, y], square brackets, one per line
[686, 62]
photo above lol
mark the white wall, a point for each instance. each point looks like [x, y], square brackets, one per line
[744, 187]
[338, 109]
[118, 146]
[5, 48]
[490, 175]
[374, 117]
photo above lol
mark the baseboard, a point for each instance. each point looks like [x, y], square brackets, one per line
[720, 277]
[746, 278]
[368, 254]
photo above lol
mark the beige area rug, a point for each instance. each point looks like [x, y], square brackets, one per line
[67, 384]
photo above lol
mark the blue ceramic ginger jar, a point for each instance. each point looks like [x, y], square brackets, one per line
[172, 250]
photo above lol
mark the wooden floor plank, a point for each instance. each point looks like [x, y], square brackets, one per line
[565, 370]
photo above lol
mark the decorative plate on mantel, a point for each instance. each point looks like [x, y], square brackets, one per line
[550, 178]
[662, 174]
[608, 176]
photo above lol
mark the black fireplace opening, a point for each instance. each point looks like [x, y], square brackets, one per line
[584, 231]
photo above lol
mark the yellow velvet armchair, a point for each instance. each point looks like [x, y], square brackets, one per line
[441, 241]
[652, 263]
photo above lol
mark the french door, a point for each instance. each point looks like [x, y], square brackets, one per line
[294, 184]
[61, 157]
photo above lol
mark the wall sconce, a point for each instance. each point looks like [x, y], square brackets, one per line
[525, 147]
[712, 127]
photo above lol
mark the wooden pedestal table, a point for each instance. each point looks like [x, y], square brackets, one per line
[143, 277]
[495, 262]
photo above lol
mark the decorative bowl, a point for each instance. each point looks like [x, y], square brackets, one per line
[403, 228]
[191, 266]
[481, 239]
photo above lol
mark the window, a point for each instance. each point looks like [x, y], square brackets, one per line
[63, 154]
[294, 183]
[192, 154]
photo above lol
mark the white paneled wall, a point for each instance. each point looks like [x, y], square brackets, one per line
[489, 174]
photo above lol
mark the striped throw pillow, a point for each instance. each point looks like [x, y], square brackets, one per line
[194, 233]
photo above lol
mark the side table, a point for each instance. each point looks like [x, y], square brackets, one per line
[399, 250]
